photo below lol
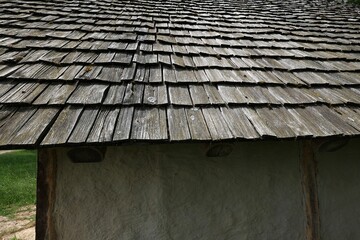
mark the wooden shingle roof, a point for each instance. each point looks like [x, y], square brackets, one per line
[79, 72]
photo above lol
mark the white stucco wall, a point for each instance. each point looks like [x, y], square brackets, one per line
[339, 192]
[175, 192]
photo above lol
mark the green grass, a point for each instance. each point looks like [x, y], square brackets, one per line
[17, 181]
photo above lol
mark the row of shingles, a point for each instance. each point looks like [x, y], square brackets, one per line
[81, 94]
[165, 47]
[144, 124]
[281, 7]
[192, 56]
[185, 94]
[109, 124]
[258, 77]
[199, 61]
[180, 37]
[82, 69]
[40, 69]
[202, 62]
[220, 54]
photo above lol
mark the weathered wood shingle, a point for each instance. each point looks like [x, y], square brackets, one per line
[94, 72]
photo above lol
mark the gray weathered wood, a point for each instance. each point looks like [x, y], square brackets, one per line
[14, 124]
[71, 72]
[55, 94]
[179, 95]
[213, 94]
[30, 132]
[115, 94]
[128, 73]
[71, 58]
[133, 93]
[169, 74]
[333, 118]
[88, 94]
[197, 124]
[50, 73]
[111, 74]
[18, 92]
[201, 76]
[218, 128]
[178, 126]
[261, 127]
[89, 72]
[149, 124]
[83, 126]
[124, 124]
[238, 123]
[231, 94]
[296, 125]
[63, 126]
[124, 58]
[183, 75]
[275, 122]
[311, 121]
[104, 125]
[349, 115]
[155, 94]
[5, 113]
[155, 74]
[198, 95]
[26, 71]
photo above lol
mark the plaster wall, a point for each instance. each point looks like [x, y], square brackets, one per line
[339, 192]
[175, 192]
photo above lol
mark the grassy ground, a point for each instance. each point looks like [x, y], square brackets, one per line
[17, 181]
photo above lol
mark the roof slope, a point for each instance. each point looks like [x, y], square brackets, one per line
[78, 72]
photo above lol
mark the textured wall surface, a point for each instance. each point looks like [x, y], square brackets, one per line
[339, 192]
[174, 191]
